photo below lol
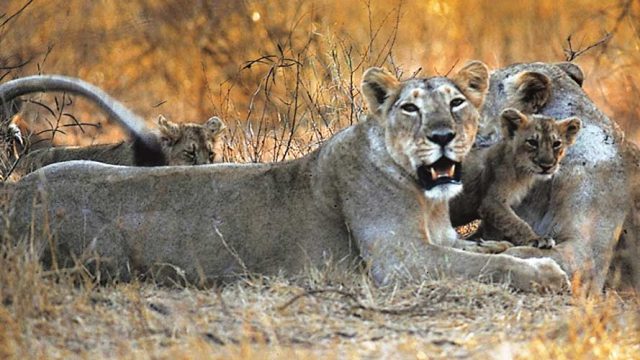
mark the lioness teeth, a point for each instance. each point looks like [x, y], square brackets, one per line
[452, 171]
[449, 172]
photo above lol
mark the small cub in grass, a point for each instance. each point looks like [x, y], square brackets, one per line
[182, 144]
[498, 178]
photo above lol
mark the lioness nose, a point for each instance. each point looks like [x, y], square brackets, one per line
[441, 137]
[545, 167]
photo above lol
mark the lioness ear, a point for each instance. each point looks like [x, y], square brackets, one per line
[215, 125]
[532, 90]
[377, 85]
[574, 71]
[473, 81]
[170, 131]
[512, 120]
[570, 128]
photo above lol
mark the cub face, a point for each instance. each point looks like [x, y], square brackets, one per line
[538, 142]
[430, 123]
[189, 144]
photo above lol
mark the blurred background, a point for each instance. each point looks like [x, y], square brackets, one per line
[285, 74]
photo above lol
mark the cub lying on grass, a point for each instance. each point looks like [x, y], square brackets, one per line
[182, 144]
[499, 177]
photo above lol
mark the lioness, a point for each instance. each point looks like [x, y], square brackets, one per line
[586, 203]
[182, 144]
[375, 192]
[497, 178]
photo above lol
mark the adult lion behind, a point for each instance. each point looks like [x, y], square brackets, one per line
[377, 192]
[586, 206]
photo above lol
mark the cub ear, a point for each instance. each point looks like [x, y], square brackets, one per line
[532, 91]
[215, 125]
[169, 130]
[377, 85]
[574, 71]
[473, 81]
[512, 120]
[570, 128]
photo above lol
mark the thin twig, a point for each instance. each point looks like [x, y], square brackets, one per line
[571, 54]
[360, 306]
[16, 13]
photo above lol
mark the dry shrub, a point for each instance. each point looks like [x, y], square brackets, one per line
[284, 76]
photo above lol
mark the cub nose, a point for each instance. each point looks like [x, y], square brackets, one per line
[441, 137]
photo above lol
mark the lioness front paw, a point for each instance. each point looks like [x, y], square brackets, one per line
[543, 242]
[486, 246]
[493, 247]
[548, 276]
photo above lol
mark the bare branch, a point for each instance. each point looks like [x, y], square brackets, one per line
[571, 54]
[16, 13]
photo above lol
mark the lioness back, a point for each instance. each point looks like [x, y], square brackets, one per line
[377, 193]
[499, 177]
[182, 144]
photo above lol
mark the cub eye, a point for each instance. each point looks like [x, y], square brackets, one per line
[557, 144]
[456, 102]
[532, 142]
[409, 108]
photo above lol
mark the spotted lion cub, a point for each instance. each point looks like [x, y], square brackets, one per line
[498, 178]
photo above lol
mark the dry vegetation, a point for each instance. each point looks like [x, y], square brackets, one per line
[284, 76]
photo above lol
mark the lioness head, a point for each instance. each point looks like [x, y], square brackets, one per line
[189, 144]
[430, 123]
[528, 88]
[538, 142]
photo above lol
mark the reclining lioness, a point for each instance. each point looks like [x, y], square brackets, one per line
[182, 144]
[376, 192]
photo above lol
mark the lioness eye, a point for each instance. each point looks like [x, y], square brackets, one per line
[532, 142]
[409, 108]
[557, 143]
[456, 102]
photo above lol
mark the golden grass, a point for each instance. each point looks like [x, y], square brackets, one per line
[284, 76]
[321, 315]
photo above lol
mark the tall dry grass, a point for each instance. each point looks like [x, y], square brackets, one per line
[284, 75]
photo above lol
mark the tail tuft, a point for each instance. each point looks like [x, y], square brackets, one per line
[147, 151]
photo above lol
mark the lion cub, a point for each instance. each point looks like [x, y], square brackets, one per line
[182, 144]
[498, 178]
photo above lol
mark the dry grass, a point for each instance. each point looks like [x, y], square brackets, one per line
[322, 315]
[284, 76]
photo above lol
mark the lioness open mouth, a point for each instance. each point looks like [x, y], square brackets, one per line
[443, 171]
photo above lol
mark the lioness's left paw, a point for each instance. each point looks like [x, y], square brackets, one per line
[543, 242]
[495, 247]
[489, 247]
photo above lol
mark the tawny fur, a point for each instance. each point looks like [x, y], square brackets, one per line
[182, 144]
[358, 197]
[592, 200]
[497, 178]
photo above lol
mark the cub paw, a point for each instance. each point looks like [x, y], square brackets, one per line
[543, 242]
